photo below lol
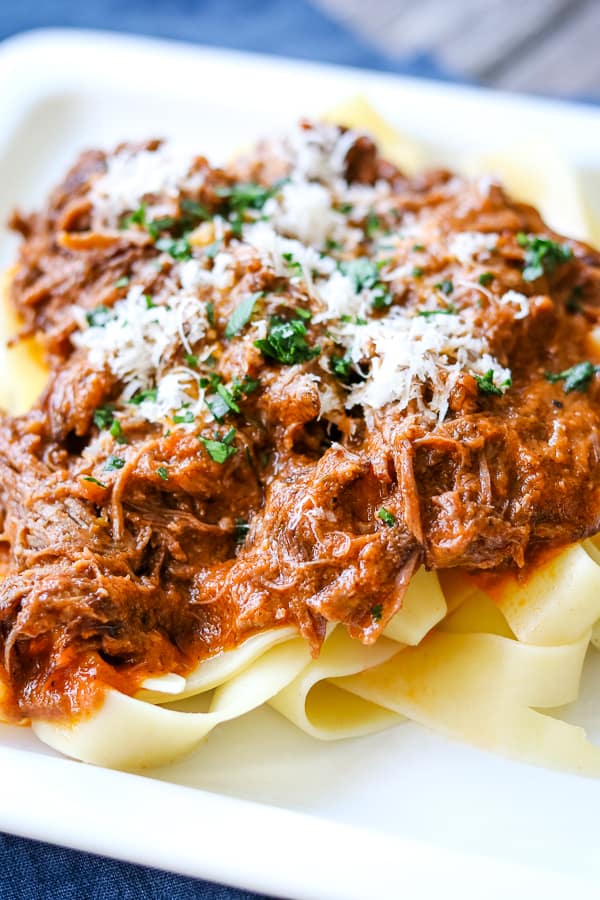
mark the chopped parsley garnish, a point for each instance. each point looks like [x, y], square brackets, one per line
[341, 366]
[104, 416]
[210, 313]
[122, 282]
[293, 264]
[195, 209]
[418, 248]
[150, 304]
[137, 217]
[377, 611]
[417, 272]
[330, 244]
[116, 431]
[241, 531]
[155, 227]
[486, 278]
[178, 248]
[365, 274]
[163, 473]
[286, 342]
[446, 286]
[345, 208]
[184, 418]
[93, 480]
[242, 314]
[98, 317]
[386, 517]
[446, 311]
[148, 394]
[191, 360]
[372, 224]
[542, 255]
[249, 195]
[220, 450]
[486, 385]
[352, 320]
[227, 398]
[114, 462]
[577, 378]
[246, 386]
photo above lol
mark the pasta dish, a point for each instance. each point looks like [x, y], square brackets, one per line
[308, 429]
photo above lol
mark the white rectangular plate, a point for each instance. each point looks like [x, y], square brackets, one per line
[261, 805]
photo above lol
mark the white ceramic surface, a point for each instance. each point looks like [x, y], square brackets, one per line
[260, 805]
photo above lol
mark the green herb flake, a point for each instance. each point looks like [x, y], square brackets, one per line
[386, 517]
[116, 431]
[377, 611]
[341, 366]
[122, 282]
[446, 286]
[191, 360]
[220, 450]
[417, 272]
[150, 304]
[93, 480]
[242, 314]
[137, 217]
[286, 342]
[184, 418]
[293, 264]
[195, 210]
[486, 385]
[486, 278]
[418, 248]
[113, 463]
[98, 317]
[178, 248]
[577, 378]
[542, 255]
[163, 473]
[372, 224]
[446, 311]
[104, 416]
[148, 394]
[227, 398]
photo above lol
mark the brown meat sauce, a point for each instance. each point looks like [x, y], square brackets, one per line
[109, 580]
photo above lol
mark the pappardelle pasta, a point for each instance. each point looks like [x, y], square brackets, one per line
[306, 322]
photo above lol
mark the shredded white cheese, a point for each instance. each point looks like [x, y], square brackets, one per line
[137, 338]
[467, 246]
[401, 357]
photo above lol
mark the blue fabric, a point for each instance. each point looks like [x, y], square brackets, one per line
[285, 27]
[30, 870]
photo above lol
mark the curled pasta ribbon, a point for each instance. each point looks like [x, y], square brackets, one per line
[127, 733]
[485, 690]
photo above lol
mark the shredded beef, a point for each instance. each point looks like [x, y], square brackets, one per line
[173, 556]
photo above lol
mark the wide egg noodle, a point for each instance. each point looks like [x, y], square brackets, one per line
[452, 659]
[24, 373]
[126, 733]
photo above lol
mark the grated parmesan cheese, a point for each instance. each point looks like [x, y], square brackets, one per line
[401, 357]
[136, 341]
[468, 246]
